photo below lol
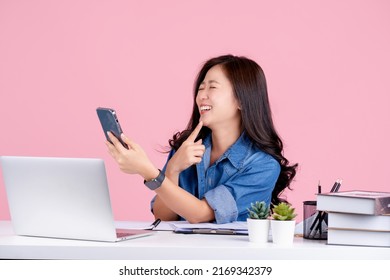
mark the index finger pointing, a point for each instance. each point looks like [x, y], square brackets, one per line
[195, 133]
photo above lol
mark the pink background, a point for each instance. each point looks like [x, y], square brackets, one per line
[327, 65]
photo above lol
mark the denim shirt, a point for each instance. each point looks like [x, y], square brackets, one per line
[242, 175]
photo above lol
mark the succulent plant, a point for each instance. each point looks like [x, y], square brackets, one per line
[283, 212]
[259, 210]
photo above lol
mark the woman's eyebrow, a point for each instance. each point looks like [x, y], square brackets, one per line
[209, 82]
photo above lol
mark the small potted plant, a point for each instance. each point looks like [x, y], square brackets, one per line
[258, 222]
[283, 224]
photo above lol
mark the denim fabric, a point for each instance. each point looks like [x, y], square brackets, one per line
[243, 174]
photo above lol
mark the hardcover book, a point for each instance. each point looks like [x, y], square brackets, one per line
[358, 237]
[359, 222]
[358, 202]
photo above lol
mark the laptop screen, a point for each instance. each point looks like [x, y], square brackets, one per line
[58, 197]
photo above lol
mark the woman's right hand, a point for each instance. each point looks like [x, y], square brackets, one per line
[189, 153]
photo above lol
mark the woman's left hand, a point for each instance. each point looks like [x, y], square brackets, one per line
[133, 160]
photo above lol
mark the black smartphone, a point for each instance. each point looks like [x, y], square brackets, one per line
[109, 121]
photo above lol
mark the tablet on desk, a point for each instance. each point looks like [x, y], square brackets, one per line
[211, 231]
[234, 228]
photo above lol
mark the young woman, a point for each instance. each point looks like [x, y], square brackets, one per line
[229, 156]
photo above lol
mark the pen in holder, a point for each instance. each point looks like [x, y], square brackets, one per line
[315, 224]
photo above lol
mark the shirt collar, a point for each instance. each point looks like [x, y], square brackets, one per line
[236, 153]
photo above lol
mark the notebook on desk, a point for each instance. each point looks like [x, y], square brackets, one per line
[61, 198]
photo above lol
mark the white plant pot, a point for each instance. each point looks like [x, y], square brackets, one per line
[283, 232]
[258, 230]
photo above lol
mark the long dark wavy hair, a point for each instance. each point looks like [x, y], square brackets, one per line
[250, 89]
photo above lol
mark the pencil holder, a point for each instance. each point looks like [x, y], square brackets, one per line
[315, 223]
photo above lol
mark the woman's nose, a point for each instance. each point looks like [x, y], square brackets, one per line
[202, 94]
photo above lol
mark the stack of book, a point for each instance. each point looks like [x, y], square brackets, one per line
[357, 217]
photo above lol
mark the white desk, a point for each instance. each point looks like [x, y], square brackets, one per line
[170, 246]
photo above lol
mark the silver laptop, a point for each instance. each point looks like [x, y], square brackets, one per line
[61, 198]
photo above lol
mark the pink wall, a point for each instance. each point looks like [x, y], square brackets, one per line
[327, 64]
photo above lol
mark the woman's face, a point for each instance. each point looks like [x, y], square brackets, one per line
[217, 104]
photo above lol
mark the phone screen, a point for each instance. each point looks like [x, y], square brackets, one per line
[109, 121]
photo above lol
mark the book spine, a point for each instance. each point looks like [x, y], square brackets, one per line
[358, 238]
[359, 222]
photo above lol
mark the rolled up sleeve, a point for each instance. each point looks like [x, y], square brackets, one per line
[223, 204]
[253, 182]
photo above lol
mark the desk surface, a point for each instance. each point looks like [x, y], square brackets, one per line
[170, 246]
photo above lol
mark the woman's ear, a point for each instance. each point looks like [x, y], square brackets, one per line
[239, 107]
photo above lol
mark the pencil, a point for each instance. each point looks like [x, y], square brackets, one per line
[319, 186]
[313, 225]
[335, 186]
[338, 186]
[322, 215]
